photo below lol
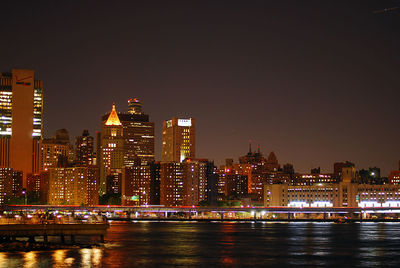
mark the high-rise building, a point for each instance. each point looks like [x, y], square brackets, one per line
[73, 186]
[172, 188]
[178, 139]
[135, 188]
[187, 183]
[6, 184]
[138, 134]
[38, 186]
[155, 182]
[57, 151]
[111, 158]
[84, 149]
[21, 109]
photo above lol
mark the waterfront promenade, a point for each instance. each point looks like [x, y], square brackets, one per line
[87, 213]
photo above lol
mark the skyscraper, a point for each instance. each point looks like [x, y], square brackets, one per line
[138, 134]
[178, 139]
[111, 148]
[84, 149]
[21, 109]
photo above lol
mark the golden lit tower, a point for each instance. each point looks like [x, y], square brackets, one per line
[111, 148]
[178, 140]
[138, 134]
[21, 109]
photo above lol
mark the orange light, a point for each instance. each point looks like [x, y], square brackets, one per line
[113, 119]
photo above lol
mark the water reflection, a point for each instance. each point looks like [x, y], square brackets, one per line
[228, 244]
[30, 259]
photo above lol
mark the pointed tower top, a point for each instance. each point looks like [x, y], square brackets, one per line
[258, 149]
[113, 119]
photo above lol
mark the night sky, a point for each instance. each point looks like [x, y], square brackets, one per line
[314, 81]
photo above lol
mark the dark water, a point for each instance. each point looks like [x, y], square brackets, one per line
[229, 244]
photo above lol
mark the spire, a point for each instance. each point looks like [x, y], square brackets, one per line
[258, 149]
[113, 119]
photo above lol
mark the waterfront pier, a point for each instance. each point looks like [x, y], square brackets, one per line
[9, 232]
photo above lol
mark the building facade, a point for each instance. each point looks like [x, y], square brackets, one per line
[343, 194]
[111, 150]
[135, 190]
[138, 134]
[178, 139]
[21, 109]
[73, 186]
[84, 146]
[56, 151]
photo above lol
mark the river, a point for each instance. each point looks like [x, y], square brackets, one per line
[227, 244]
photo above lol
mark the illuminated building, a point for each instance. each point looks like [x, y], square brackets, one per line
[311, 179]
[111, 150]
[73, 186]
[21, 109]
[332, 195]
[171, 184]
[84, 149]
[114, 181]
[195, 181]
[187, 183]
[155, 183]
[178, 139]
[10, 184]
[394, 176]
[38, 186]
[135, 185]
[6, 184]
[138, 134]
[232, 184]
[57, 151]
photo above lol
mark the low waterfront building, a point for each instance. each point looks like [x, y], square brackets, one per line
[343, 194]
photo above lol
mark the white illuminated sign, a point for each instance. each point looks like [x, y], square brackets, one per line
[184, 122]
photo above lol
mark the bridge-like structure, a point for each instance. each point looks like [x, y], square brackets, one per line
[162, 212]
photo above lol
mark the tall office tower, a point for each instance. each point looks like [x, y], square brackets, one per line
[56, 151]
[111, 149]
[178, 139]
[21, 109]
[138, 133]
[73, 186]
[84, 149]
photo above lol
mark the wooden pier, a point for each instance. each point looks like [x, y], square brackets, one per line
[9, 232]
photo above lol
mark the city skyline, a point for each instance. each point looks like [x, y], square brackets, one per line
[313, 96]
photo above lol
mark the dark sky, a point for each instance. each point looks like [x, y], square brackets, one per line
[315, 81]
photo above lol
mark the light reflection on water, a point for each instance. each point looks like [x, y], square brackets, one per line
[228, 244]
